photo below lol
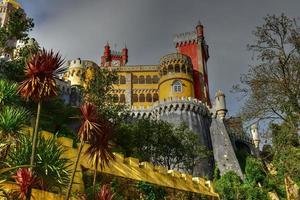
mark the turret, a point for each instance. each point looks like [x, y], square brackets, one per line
[176, 77]
[199, 30]
[255, 134]
[220, 105]
[75, 72]
[124, 55]
[107, 53]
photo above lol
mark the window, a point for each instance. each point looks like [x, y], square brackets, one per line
[183, 69]
[135, 98]
[122, 80]
[155, 97]
[142, 98]
[170, 69]
[155, 79]
[149, 97]
[122, 98]
[115, 98]
[177, 68]
[177, 86]
[148, 79]
[135, 79]
[142, 80]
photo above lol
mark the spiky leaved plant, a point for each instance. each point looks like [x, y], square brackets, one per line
[91, 127]
[25, 179]
[105, 193]
[99, 151]
[40, 71]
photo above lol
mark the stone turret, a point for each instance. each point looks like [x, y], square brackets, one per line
[220, 105]
[75, 73]
[255, 134]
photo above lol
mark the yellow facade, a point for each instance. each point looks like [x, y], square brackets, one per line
[141, 85]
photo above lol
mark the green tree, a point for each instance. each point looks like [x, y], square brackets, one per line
[160, 143]
[277, 68]
[229, 186]
[99, 92]
[17, 28]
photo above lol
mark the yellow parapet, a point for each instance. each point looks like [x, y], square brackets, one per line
[132, 168]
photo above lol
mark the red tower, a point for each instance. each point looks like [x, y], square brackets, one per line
[193, 45]
[114, 58]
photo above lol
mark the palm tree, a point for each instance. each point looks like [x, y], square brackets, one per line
[99, 151]
[105, 193]
[41, 70]
[8, 92]
[90, 128]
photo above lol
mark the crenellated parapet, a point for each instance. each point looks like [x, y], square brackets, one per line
[185, 38]
[169, 105]
[132, 168]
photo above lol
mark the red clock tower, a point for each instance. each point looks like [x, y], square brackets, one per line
[114, 58]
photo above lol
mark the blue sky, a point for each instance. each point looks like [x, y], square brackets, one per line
[80, 28]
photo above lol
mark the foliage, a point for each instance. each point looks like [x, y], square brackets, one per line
[160, 143]
[277, 50]
[99, 92]
[12, 119]
[150, 191]
[51, 168]
[41, 70]
[17, 28]
[254, 171]
[229, 186]
[105, 193]
[25, 179]
[8, 92]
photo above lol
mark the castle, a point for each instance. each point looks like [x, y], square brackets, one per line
[175, 90]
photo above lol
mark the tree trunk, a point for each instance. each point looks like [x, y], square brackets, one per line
[74, 171]
[34, 144]
[94, 182]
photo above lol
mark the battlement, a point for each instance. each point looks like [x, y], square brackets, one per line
[185, 38]
[132, 168]
[175, 58]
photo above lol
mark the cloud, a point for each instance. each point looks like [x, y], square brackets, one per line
[80, 28]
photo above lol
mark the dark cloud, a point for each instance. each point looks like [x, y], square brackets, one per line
[81, 28]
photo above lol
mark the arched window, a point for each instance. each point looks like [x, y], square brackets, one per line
[165, 71]
[148, 79]
[115, 98]
[189, 70]
[122, 98]
[155, 79]
[183, 69]
[155, 97]
[170, 69]
[122, 80]
[177, 68]
[116, 80]
[142, 98]
[149, 97]
[135, 98]
[135, 79]
[141, 80]
[177, 86]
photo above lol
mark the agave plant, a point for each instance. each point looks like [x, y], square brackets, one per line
[12, 119]
[100, 151]
[41, 70]
[91, 127]
[51, 170]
